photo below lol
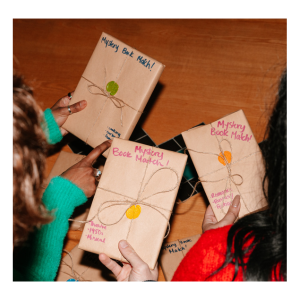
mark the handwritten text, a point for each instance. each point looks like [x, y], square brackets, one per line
[238, 134]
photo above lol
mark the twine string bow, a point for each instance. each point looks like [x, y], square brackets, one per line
[118, 103]
[138, 201]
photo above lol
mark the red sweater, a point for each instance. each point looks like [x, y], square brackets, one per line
[206, 256]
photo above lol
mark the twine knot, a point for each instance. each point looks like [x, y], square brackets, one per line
[138, 201]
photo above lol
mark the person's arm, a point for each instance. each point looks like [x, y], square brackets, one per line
[56, 116]
[208, 254]
[39, 261]
[51, 128]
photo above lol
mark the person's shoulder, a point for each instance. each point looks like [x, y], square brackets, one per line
[213, 240]
[218, 235]
[206, 256]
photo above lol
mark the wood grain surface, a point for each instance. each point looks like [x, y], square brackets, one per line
[213, 67]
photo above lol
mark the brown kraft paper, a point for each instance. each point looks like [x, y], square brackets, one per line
[109, 114]
[80, 265]
[172, 254]
[242, 170]
[66, 160]
[134, 200]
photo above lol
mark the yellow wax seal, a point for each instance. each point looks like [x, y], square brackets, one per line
[221, 157]
[133, 212]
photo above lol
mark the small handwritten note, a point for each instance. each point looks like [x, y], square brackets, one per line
[111, 133]
[219, 198]
[232, 130]
[144, 61]
[96, 232]
[174, 248]
[143, 155]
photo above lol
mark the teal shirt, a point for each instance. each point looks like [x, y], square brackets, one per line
[40, 256]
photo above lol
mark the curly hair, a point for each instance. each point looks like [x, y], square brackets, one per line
[29, 156]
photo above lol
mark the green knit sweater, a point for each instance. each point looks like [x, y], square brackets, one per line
[40, 257]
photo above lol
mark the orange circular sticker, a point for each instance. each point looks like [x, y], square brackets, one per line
[221, 157]
[133, 212]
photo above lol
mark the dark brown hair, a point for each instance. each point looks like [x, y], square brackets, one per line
[29, 151]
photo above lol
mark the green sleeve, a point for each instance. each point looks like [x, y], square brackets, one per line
[41, 258]
[50, 128]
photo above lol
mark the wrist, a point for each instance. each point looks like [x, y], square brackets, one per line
[51, 128]
[61, 192]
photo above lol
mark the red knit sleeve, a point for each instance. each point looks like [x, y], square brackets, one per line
[205, 257]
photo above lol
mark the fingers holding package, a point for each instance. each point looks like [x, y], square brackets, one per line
[61, 110]
[136, 270]
[210, 221]
[83, 174]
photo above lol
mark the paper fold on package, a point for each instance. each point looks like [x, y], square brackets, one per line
[117, 84]
[134, 200]
[172, 254]
[229, 162]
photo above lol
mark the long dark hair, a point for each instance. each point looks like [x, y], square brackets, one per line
[268, 229]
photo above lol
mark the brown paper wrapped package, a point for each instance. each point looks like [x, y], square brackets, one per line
[134, 174]
[106, 117]
[83, 266]
[172, 254]
[66, 160]
[242, 170]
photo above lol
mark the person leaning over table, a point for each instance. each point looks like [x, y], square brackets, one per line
[41, 224]
[251, 249]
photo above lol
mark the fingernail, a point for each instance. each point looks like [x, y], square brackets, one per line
[83, 103]
[236, 201]
[123, 244]
[110, 141]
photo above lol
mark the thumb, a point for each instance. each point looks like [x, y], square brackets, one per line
[128, 252]
[232, 213]
[95, 153]
[76, 107]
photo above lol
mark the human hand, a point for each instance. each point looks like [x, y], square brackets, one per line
[210, 221]
[137, 270]
[60, 111]
[83, 174]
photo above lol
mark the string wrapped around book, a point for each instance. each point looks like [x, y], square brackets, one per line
[231, 178]
[133, 202]
[101, 91]
[75, 275]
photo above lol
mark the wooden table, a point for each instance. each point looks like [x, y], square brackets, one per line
[213, 68]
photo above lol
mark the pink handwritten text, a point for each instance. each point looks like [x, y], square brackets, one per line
[96, 239]
[220, 193]
[231, 125]
[223, 130]
[95, 231]
[97, 225]
[148, 161]
[241, 137]
[149, 151]
[116, 152]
